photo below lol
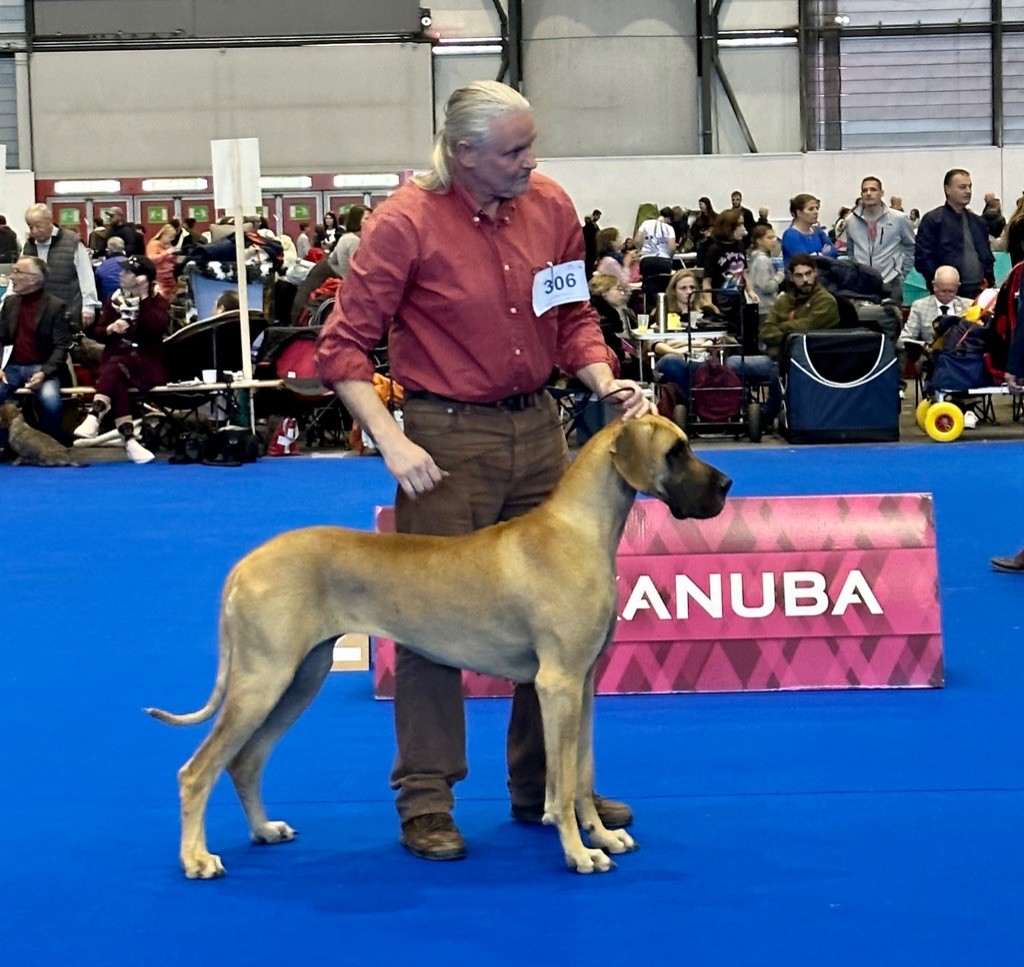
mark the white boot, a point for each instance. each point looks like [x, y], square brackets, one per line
[137, 452]
[89, 428]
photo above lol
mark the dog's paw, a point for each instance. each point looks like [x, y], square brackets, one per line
[589, 861]
[203, 866]
[613, 841]
[273, 831]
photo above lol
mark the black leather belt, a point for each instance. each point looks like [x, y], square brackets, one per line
[517, 402]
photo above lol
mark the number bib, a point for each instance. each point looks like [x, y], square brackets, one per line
[558, 284]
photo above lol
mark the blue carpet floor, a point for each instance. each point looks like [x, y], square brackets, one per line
[795, 828]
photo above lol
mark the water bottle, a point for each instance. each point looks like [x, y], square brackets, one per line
[662, 315]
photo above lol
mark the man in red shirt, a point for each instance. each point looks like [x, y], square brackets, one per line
[447, 267]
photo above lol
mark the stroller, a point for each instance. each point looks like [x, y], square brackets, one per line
[718, 400]
[957, 375]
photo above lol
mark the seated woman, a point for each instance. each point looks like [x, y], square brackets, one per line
[131, 326]
[686, 304]
[612, 259]
[805, 235]
[609, 297]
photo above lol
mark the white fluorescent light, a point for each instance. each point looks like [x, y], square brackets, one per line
[464, 50]
[286, 182]
[175, 184]
[107, 186]
[469, 40]
[759, 42]
[366, 181]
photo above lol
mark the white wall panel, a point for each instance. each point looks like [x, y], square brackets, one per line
[569, 19]
[464, 18]
[155, 112]
[603, 99]
[766, 84]
[758, 14]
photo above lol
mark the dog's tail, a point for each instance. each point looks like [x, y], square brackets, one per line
[220, 686]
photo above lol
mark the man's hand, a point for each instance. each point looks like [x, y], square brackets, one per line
[88, 317]
[36, 380]
[1015, 384]
[629, 397]
[3, 378]
[411, 465]
[118, 327]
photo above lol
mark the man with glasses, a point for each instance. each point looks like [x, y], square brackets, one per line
[34, 340]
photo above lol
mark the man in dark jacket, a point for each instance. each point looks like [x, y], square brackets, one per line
[951, 235]
[34, 325]
[117, 227]
[9, 247]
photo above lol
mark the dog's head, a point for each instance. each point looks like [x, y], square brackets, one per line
[8, 414]
[654, 457]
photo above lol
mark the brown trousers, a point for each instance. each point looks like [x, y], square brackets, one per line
[500, 465]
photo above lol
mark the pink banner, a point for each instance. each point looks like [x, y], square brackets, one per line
[774, 593]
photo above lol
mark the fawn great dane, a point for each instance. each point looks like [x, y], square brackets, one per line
[531, 599]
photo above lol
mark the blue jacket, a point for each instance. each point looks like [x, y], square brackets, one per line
[940, 241]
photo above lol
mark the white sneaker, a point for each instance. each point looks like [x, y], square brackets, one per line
[137, 451]
[970, 420]
[88, 428]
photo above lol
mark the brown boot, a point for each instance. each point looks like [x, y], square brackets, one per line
[433, 836]
[612, 813]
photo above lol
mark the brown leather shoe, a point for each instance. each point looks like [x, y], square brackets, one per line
[1011, 565]
[613, 814]
[433, 836]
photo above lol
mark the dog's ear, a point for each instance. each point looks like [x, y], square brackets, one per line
[639, 450]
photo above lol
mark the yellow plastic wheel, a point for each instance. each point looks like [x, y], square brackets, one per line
[921, 412]
[944, 422]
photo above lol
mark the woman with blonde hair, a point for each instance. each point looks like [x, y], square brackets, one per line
[684, 297]
[610, 297]
[685, 303]
[161, 251]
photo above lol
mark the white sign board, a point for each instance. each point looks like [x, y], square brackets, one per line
[236, 174]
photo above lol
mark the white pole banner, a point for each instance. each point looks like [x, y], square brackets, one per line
[236, 189]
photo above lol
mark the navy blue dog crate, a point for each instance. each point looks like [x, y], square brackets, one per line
[839, 386]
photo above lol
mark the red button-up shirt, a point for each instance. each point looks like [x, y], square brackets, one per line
[456, 289]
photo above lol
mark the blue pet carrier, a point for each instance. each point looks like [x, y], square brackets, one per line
[839, 386]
